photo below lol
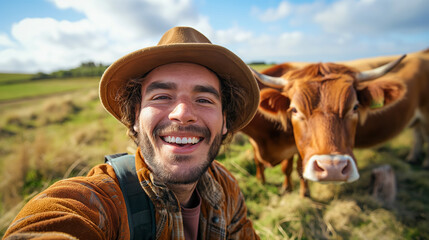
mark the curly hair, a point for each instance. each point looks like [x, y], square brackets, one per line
[232, 96]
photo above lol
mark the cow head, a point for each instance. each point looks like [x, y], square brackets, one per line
[324, 103]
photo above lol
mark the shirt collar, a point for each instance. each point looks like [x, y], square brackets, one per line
[209, 189]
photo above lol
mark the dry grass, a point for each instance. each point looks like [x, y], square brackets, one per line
[342, 216]
[13, 177]
[89, 135]
[57, 112]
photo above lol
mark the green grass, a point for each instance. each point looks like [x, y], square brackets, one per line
[14, 77]
[45, 87]
[259, 67]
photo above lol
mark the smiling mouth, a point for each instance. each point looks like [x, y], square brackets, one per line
[182, 141]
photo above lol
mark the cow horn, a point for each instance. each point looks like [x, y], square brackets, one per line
[276, 82]
[378, 72]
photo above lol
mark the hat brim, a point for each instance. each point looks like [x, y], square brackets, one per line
[219, 59]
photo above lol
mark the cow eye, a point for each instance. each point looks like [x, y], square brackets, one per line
[293, 110]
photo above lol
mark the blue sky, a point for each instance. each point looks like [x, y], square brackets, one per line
[47, 35]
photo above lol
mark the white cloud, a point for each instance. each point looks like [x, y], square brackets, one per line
[43, 32]
[374, 17]
[231, 36]
[340, 30]
[5, 41]
[273, 14]
[310, 47]
[109, 30]
[134, 20]
[49, 44]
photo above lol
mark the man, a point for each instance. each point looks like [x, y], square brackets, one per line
[179, 100]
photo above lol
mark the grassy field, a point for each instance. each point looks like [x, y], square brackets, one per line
[18, 89]
[6, 78]
[46, 136]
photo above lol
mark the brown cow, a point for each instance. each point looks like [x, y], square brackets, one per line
[272, 146]
[323, 103]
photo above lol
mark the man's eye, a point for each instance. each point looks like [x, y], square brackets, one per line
[202, 100]
[161, 97]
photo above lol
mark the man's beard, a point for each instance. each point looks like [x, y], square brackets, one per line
[191, 175]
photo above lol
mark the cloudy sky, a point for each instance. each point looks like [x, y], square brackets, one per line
[48, 35]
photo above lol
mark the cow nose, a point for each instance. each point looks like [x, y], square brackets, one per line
[331, 168]
[337, 169]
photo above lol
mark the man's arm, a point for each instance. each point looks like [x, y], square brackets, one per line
[78, 208]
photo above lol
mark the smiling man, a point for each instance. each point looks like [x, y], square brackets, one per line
[180, 100]
[181, 107]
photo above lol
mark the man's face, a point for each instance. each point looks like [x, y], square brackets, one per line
[180, 122]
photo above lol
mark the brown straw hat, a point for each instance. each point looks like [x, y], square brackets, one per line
[181, 44]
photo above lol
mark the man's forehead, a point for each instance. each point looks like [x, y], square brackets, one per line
[182, 73]
[182, 68]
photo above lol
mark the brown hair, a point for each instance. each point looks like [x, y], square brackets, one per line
[232, 95]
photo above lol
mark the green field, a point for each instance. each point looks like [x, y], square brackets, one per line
[54, 129]
[31, 89]
[14, 77]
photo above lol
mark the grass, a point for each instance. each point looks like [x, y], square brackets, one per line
[7, 78]
[259, 67]
[46, 139]
[44, 87]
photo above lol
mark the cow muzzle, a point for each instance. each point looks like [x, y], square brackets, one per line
[331, 168]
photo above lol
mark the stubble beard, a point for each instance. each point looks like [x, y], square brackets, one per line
[190, 175]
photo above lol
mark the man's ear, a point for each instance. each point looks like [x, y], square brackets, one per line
[379, 95]
[224, 127]
[273, 102]
[136, 118]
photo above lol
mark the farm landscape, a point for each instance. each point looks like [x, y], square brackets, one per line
[56, 128]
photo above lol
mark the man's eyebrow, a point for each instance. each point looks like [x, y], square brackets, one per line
[207, 89]
[160, 85]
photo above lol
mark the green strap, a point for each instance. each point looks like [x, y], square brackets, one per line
[140, 209]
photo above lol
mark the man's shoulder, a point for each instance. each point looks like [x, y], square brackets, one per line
[99, 177]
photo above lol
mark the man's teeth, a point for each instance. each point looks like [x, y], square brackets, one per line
[184, 140]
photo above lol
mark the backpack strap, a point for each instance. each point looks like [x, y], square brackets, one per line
[140, 209]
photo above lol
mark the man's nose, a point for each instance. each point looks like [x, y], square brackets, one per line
[183, 113]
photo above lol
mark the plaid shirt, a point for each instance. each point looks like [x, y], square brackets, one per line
[93, 207]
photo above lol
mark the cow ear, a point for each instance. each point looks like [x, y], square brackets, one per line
[273, 102]
[378, 95]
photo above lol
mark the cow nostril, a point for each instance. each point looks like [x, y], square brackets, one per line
[317, 167]
[346, 168]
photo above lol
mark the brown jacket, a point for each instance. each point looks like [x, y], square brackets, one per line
[93, 207]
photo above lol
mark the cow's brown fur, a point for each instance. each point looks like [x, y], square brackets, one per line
[318, 85]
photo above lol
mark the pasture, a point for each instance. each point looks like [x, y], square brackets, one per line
[53, 129]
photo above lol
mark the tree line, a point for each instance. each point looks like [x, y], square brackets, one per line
[86, 69]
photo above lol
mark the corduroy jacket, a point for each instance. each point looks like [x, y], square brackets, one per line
[93, 207]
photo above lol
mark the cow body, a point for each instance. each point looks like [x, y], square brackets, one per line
[272, 146]
[323, 112]
[412, 111]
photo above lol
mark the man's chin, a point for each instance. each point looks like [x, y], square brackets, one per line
[175, 168]
[190, 175]
[182, 181]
